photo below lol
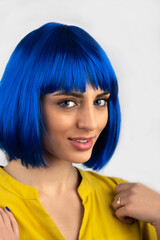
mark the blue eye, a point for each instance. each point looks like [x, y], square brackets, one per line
[65, 104]
[69, 103]
[101, 102]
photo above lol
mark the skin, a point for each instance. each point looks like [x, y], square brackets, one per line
[8, 226]
[77, 118]
[86, 118]
[137, 202]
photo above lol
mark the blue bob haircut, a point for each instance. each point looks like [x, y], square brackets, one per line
[52, 58]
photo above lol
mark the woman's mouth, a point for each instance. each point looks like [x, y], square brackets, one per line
[82, 144]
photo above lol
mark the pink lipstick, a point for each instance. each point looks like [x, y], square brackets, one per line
[82, 143]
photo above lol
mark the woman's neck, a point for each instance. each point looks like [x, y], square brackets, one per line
[57, 179]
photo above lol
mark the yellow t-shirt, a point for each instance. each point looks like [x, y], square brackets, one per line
[99, 222]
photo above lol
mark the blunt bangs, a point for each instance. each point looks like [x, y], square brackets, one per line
[54, 57]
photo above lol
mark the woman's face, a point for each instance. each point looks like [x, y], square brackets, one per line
[75, 115]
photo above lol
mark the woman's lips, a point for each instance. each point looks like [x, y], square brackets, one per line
[81, 146]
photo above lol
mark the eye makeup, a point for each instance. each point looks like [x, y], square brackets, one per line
[61, 102]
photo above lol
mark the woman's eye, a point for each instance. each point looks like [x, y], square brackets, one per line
[101, 102]
[67, 104]
[70, 103]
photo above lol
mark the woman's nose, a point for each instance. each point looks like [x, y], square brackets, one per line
[87, 119]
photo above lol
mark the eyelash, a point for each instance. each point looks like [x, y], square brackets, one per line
[71, 100]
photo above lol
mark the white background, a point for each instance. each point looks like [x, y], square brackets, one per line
[129, 32]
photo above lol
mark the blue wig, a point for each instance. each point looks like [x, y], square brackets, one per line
[51, 58]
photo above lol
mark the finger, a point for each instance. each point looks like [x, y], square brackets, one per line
[14, 223]
[5, 219]
[1, 220]
[120, 200]
[123, 186]
[122, 215]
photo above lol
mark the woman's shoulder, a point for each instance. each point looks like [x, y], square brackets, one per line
[97, 180]
[104, 192]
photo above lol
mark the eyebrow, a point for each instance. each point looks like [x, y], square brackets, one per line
[79, 95]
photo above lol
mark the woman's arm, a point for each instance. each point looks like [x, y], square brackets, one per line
[137, 201]
[8, 226]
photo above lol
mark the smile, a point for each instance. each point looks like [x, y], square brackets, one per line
[81, 144]
[82, 141]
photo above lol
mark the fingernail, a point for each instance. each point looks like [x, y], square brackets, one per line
[8, 209]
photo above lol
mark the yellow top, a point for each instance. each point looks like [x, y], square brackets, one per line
[99, 223]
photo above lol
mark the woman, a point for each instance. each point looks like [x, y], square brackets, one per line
[59, 105]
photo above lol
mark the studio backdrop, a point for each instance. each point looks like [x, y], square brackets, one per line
[129, 32]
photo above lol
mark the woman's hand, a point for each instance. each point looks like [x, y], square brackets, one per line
[135, 200]
[8, 226]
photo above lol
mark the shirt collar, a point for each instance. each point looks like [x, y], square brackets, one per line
[16, 187]
[30, 192]
[86, 185]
